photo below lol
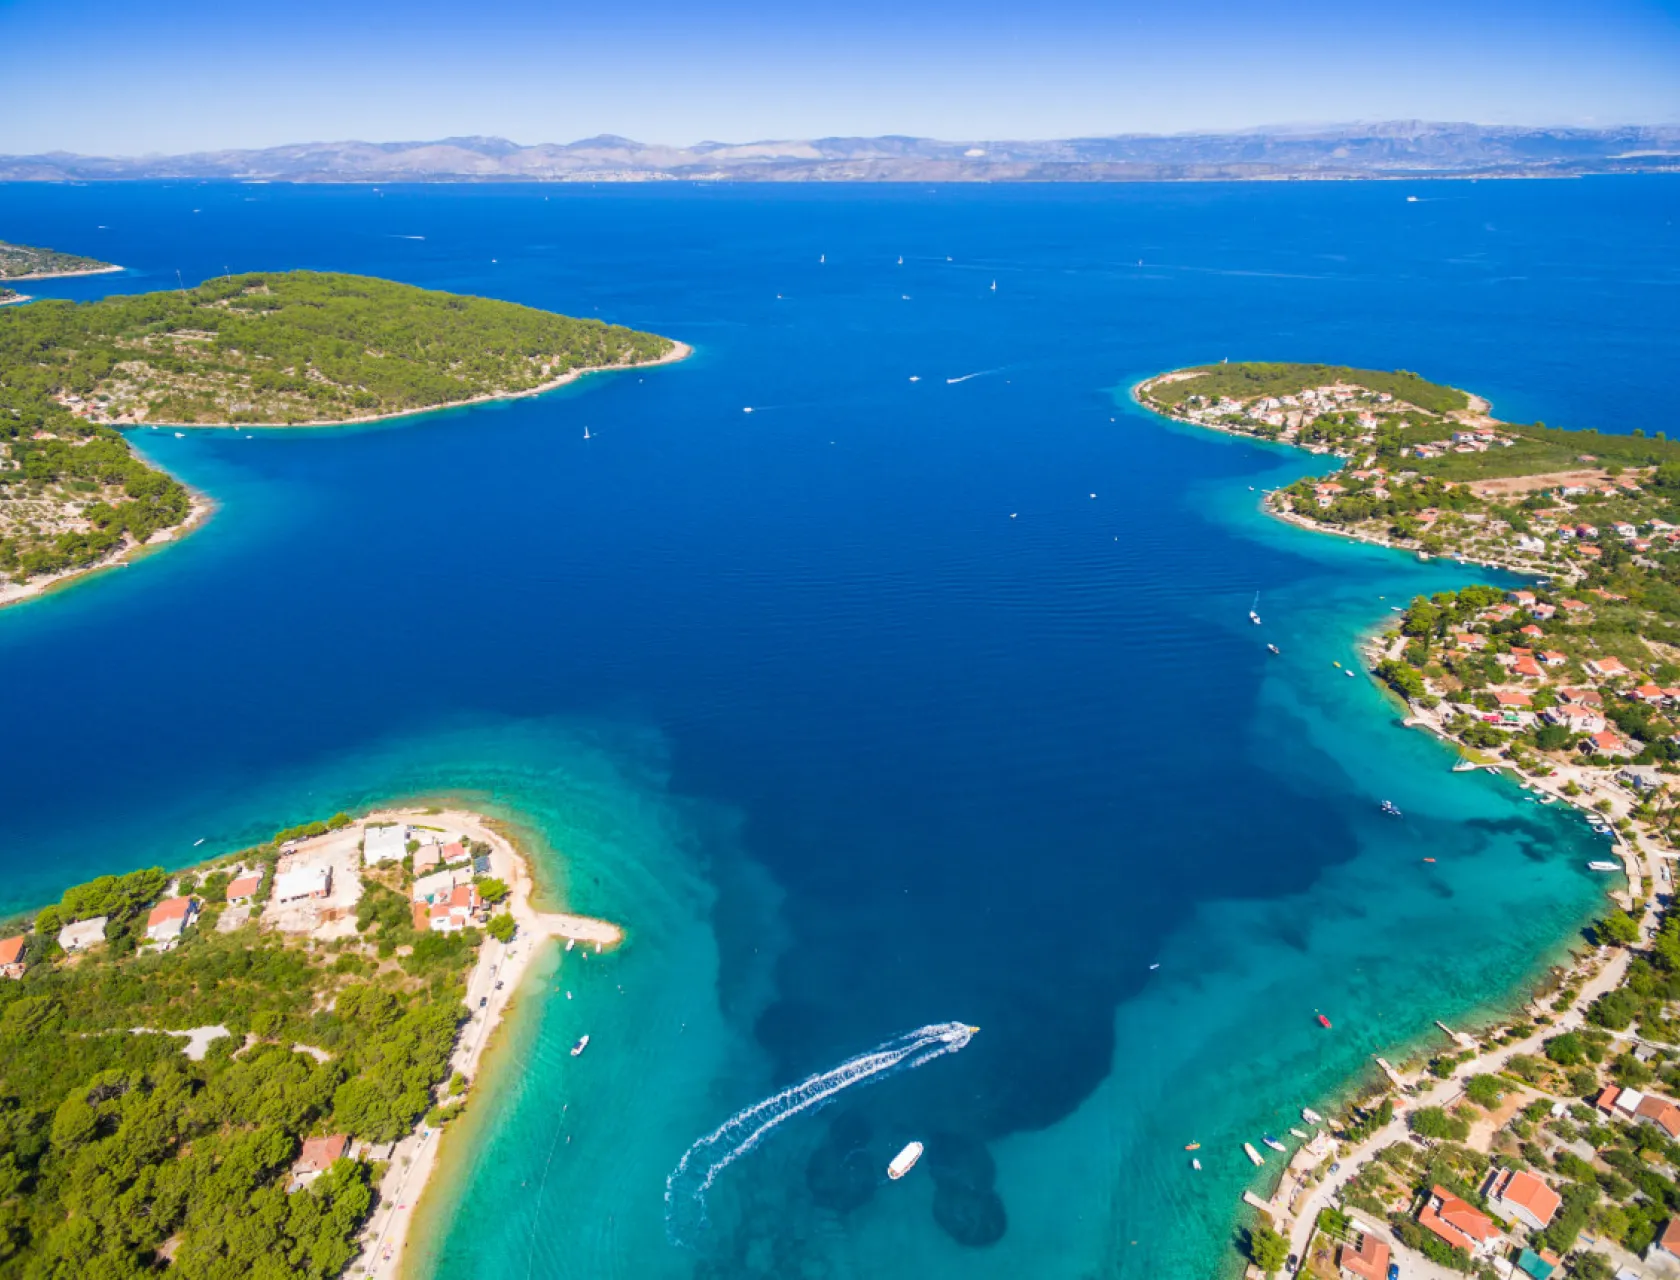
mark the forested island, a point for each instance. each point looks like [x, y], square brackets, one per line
[277, 349]
[26, 262]
[1570, 687]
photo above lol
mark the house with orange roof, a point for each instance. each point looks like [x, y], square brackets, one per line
[244, 889]
[1647, 693]
[1573, 606]
[1470, 640]
[1458, 1222]
[1584, 697]
[169, 919]
[1533, 632]
[1522, 599]
[1553, 658]
[1641, 1107]
[11, 956]
[1665, 1249]
[1609, 743]
[1510, 697]
[1516, 1193]
[1368, 1261]
[1606, 668]
[1528, 668]
[318, 1155]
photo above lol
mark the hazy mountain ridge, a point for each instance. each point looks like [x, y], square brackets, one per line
[1386, 149]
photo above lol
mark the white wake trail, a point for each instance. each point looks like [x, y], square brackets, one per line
[953, 381]
[685, 1189]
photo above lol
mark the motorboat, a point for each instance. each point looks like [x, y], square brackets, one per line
[1272, 648]
[1604, 866]
[1274, 1144]
[580, 1046]
[1252, 1154]
[1391, 809]
[1324, 1022]
[1311, 1116]
[904, 1161]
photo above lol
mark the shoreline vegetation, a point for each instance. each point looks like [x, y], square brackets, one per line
[282, 349]
[29, 262]
[1541, 1142]
[254, 1062]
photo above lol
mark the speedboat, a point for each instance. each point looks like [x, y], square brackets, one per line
[1604, 866]
[580, 1046]
[1274, 1144]
[1252, 1154]
[1195, 1164]
[904, 1161]
[1272, 648]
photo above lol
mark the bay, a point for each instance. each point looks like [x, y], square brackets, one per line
[859, 710]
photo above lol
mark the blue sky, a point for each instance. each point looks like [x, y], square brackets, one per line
[120, 77]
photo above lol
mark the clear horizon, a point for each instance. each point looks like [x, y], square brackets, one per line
[190, 76]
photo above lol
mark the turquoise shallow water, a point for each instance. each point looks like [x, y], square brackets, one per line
[847, 748]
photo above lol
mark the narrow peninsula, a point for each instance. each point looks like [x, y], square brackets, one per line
[27, 262]
[296, 348]
[1549, 1142]
[247, 1068]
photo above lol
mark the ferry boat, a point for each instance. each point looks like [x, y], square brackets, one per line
[1604, 866]
[1252, 1154]
[1274, 1144]
[904, 1161]
[580, 1046]
[1311, 1116]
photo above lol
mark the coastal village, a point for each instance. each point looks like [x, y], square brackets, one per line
[1548, 1145]
[332, 890]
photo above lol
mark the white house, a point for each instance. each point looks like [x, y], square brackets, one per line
[303, 882]
[384, 844]
[82, 934]
[439, 885]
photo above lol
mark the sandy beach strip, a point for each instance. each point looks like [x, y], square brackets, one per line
[678, 351]
[496, 978]
[62, 275]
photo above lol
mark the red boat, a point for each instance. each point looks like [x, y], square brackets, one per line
[1323, 1021]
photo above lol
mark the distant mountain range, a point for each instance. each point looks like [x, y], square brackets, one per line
[1406, 148]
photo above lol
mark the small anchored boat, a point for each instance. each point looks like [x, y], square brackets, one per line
[1604, 866]
[1311, 1116]
[580, 1046]
[1195, 1164]
[1192, 1146]
[1324, 1022]
[904, 1161]
[1273, 649]
[1274, 1144]
[1252, 1154]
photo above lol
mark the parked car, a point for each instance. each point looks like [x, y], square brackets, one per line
[1394, 1271]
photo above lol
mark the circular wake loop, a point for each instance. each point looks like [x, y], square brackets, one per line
[685, 1189]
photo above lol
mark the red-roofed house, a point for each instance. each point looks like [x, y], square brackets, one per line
[243, 889]
[1368, 1262]
[1585, 697]
[1573, 606]
[1608, 743]
[317, 1157]
[1510, 697]
[170, 918]
[1517, 1194]
[1646, 1108]
[1666, 1247]
[1533, 632]
[1524, 599]
[1647, 693]
[1459, 1223]
[11, 956]
[1470, 640]
[1552, 658]
[1528, 668]
[1604, 668]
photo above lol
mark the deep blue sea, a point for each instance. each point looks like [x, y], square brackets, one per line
[923, 692]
